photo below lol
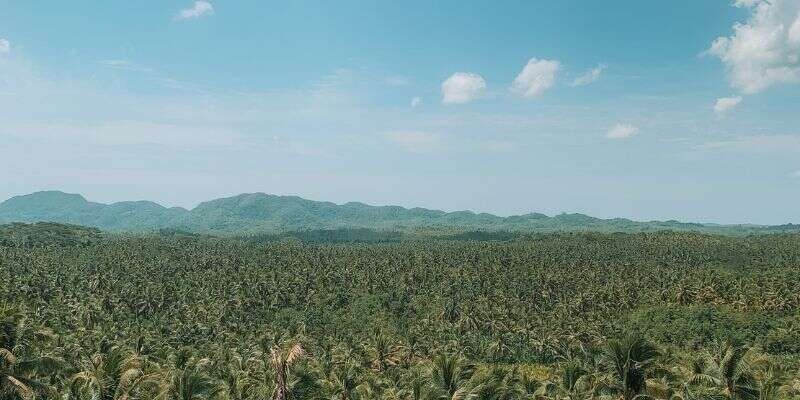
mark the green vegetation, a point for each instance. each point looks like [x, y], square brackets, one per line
[261, 214]
[174, 315]
[47, 234]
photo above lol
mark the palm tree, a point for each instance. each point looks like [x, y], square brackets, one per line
[303, 384]
[110, 374]
[572, 375]
[415, 383]
[284, 356]
[236, 381]
[501, 384]
[279, 374]
[189, 383]
[628, 360]
[791, 386]
[342, 382]
[728, 372]
[186, 378]
[450, 376]
[18, 376]
[411, 351]
[382, 352]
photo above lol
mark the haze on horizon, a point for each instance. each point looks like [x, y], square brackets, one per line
[682, 110]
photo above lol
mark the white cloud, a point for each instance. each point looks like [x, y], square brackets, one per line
[589, 77]
[536, 77]
[745, 3]
[462, 87]
[416, 101]
[5, 46]
[415, 141]
[796, 174]
[622, 131]
[725, 104]
[764, 51]
[199, 9]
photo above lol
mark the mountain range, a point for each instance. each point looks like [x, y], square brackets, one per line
[260, 213]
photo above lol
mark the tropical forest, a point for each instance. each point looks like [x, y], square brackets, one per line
[176, 315]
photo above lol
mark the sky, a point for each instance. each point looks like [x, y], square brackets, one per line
[686, 109]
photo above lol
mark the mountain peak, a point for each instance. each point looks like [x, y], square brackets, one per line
[54, 197]
[51, 193]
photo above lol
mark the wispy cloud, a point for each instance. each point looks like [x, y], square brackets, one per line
[5, 46]
[536, 77]
[622, 131]
[771, 144]
[152, 75]
[589, 77]
[125, 65]
[462, 87]
[416, 101]
[199, 9]
[725, 104]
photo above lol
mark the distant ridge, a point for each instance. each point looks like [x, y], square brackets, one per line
[259, 213]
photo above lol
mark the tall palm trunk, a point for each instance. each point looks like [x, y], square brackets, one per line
[282, 357]
[280, 382]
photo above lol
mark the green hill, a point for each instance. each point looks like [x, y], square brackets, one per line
[54, 206]
[259, 213]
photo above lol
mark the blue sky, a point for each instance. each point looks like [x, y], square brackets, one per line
[649, 110]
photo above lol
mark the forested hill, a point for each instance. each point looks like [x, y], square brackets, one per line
[259, 213]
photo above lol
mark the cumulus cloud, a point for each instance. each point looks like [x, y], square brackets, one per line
[764, 51]
[199, 9]
[5, 46]
[589, 77]
[462, 87]
[414, 141]
[725, 104]
[416, 101]
[622, 131]
[536, 77]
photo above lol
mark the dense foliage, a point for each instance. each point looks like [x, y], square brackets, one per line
[555, 316]
[264, 214]
[47, 234]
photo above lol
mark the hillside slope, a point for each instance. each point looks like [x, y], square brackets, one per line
[256, 213]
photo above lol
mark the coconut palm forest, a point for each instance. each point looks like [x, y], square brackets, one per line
[176, 315]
